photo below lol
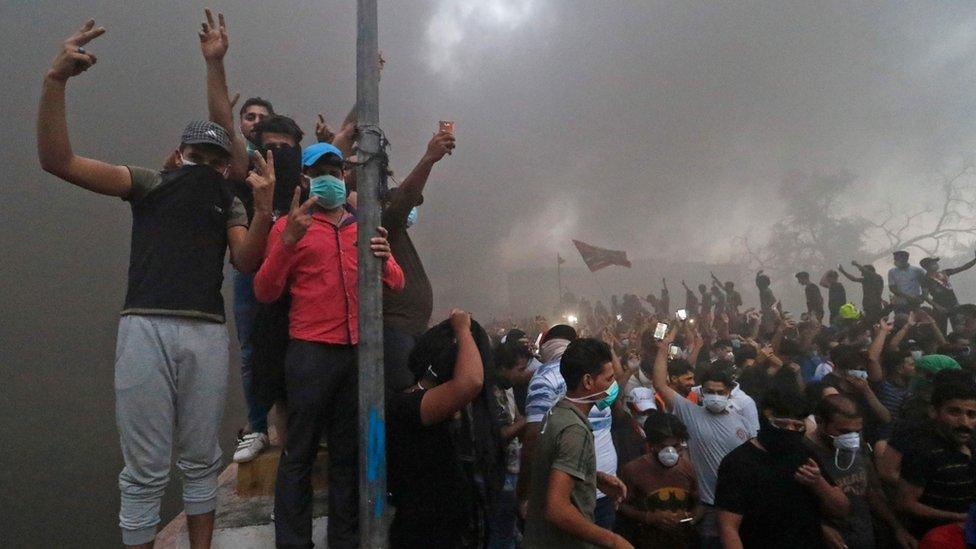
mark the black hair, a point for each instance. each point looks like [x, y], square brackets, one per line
[952, 385]
[846, 356]
[744, 353]
[678, 367]
[436, 351]
[891, 359]
[720, 371]
[721, 343]
[583, 356]
[277, 123]
[763, 281]
[660, 426]
[790, 347]
[251, 101]
[831, 406]
[802, 274]
[955, 336]
[505, 356]
[559, 331]
[786, 401]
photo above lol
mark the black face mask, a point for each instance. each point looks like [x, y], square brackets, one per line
[785, 445]
[288, 175]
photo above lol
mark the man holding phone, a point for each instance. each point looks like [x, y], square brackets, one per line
[713, 431]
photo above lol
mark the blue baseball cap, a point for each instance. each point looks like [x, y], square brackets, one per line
[312, 154]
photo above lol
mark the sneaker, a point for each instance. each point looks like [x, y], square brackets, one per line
[249, 446]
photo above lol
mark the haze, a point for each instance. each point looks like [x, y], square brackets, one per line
[660, 128]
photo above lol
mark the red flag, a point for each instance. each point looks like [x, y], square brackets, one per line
[598, 258]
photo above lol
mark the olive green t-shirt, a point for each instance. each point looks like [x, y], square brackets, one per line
[145, 180]
[566, 444]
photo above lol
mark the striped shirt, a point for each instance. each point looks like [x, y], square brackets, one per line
[546, 388]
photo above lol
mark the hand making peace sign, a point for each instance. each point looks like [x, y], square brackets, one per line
[73, 59]
[262, 182]
[299, 219]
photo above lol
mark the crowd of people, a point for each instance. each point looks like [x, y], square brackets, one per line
[636, 424]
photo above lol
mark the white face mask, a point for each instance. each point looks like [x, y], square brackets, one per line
[633, 363]
[668, 456]
[715, 404]
[848, 443]
[916, 354]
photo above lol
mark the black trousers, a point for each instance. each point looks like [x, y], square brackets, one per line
[321, 383]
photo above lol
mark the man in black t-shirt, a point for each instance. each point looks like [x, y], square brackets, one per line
[771, 492]
[938, 469]
[837, 443]
[836, 295]
[172, 352]
[427, 483]
[872, 289]
[936, 283]
[406, 313]
[815, 305]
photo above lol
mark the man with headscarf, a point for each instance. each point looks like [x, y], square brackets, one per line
[771, 492]
[546, 388]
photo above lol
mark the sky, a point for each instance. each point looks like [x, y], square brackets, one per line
[660, 128]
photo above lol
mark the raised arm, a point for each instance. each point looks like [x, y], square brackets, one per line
[957, 270]
[213, 44]
[875, 374]
[444, 400]
[848, 276]
[412, 187]
[659, 376]
[53, 144]
[247, 245]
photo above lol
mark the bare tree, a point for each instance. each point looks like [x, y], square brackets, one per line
[812, 235]
[931, 230]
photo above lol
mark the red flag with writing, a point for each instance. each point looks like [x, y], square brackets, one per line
[598, 258]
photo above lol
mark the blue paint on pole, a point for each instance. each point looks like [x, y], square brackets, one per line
[376, 457]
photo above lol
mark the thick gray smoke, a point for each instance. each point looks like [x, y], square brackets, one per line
[660, 128]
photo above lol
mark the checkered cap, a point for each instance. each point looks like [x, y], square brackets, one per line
[203, 131]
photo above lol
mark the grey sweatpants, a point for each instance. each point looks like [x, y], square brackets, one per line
[170, 382]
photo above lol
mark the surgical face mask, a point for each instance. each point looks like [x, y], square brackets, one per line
[668, 456]
[715, 404]
[625, 342]
[916, 354]
[329, 191]
[848, 443]
[602, 403]
[633, 363]
[412, 218]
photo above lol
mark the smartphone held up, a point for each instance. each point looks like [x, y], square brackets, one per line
[660, 331]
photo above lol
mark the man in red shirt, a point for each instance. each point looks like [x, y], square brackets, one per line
[313, 253]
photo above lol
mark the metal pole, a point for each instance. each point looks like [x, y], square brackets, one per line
[372, 432]
[559, 279]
